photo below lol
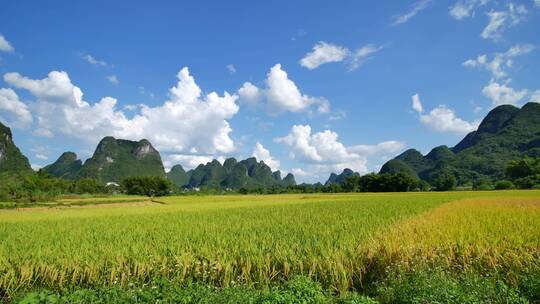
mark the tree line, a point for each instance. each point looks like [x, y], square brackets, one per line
[40, 186]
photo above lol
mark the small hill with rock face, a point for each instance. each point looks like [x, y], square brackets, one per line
[289, 180]
[340, 178]
[506, 133]
[178, 176]
[66, 166]
[116, 159]
[12, 161]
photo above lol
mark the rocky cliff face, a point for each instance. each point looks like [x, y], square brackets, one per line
[12, 160]
[116, 159]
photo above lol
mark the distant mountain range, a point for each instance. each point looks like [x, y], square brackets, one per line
[232, 174]
[116, 159]
[506, 133]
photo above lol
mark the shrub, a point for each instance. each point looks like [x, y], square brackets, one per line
[299, 290]
[528, 182]
[482, 183]
[504, 185]
[529, 286]
[87, 186]
[353, 298]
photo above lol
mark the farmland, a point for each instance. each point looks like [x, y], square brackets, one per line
[374, 244]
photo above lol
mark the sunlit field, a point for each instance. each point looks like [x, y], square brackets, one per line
[344, 242]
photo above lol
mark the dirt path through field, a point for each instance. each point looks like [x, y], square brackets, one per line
[88, 206]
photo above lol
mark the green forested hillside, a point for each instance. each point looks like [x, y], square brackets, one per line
[12, 161]
[113, 161]
[66, 166]
[178, 176]
[506, 133]
[116, 159]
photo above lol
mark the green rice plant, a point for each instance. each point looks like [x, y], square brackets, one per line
[474, 250]
[227, 241]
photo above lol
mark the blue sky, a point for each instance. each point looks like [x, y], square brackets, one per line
[312, 86]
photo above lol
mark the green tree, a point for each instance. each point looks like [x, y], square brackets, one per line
[148, 185]
[87, 185]
[523, 168]
[445, 182]
[524, 173]
[351, 184]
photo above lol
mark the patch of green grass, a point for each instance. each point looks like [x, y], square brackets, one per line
[299, 290]
[443, 286]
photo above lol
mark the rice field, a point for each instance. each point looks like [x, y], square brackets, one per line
[342, 241]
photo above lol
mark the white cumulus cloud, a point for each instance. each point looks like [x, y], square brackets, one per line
[261, 153]
[249, 94]
[281, 95]
[384, 148]
[443, 119]
[13, 111]
[323, 153]
[189, 123]
[535, 97]
[503, 94]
